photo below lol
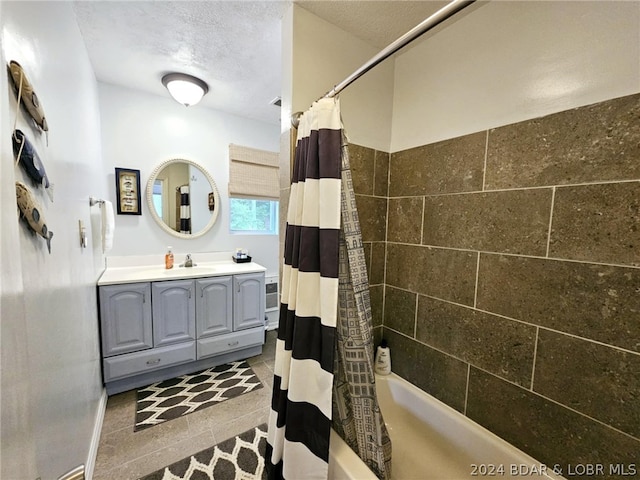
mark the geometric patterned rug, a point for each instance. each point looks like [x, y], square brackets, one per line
[239, 458]
[186, 394]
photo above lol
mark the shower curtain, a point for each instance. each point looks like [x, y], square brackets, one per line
[356, 414]
[185, 209]
[303, 387]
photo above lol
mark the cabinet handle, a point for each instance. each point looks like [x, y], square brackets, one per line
[233, 344]
[153, 362]
[144, 298]
[189, 293]
[238, 285]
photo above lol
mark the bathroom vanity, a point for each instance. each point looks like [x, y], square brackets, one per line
[157, 324]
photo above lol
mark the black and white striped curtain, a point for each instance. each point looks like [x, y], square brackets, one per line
[300, 419]
[185, 210]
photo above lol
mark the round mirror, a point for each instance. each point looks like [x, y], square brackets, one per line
[182, 198]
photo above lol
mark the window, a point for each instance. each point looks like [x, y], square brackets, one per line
[158, 187]
[253, 216]
[254, 191]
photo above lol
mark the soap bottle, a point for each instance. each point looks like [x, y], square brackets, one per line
[168, 259]
[383, 359]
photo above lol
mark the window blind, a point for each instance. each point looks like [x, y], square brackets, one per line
[253, 173]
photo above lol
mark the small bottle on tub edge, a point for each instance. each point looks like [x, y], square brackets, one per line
[383, 359]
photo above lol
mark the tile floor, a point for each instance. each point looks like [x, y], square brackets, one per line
[124, 454]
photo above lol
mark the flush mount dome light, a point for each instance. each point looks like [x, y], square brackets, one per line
[185, 89]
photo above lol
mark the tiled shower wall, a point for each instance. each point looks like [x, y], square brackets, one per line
[504, 272]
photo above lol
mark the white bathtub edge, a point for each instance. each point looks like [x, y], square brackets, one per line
[344, 463]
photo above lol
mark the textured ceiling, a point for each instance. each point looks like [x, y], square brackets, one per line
[376, 22]
[235, 46]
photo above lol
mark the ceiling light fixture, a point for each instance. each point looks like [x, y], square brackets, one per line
[185, 89]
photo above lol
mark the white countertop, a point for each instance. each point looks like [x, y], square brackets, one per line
[150, 268]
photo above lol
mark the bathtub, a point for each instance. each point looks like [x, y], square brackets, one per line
[431, 440]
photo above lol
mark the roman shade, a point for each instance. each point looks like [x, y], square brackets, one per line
[253, 173]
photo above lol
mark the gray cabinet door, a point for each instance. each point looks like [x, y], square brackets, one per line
[248, 301]
[214, 306]
[125, 318]
[174, 316]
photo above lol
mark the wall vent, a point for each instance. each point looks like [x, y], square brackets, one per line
[271, 294]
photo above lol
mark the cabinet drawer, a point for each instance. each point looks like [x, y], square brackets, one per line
[148, 360]
[208, 347]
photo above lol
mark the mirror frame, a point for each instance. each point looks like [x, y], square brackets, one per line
[156, 217]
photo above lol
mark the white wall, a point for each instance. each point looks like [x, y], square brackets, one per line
[498, 63]
[51, 380]
[141, 130]
[324, 55]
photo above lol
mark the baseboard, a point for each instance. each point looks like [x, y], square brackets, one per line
[95, 438]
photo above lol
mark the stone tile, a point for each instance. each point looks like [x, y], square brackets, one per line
[124, 445]
[376, 294]
[264, 374]
[405, 220]
[378, 256]
[450, 166]
[211, 417]
[120, 412]
[372, 212]
[367, 257]
[362, 162]
[223, 430]
[599, 223]
[400, 310]
[161, 458]
[515, 221]
[550, 433]
[600, 302]
[501, 346]
[594, 143]
[377, 335]
[381, 179]
[441, 273]
[594, 379]
[438, 374]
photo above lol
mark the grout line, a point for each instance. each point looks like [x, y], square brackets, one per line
[535, 357]
[551, 400]
[520, 255]
[543, 327]
[424, 200]
[386, 240]
[537, 187]
[553, 199]
[475, 294]
[466, 390]
[375, 160]
[415, 319]
[515, 384]
[486, 154]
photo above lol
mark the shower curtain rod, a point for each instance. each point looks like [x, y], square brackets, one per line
[427, 24]
[423, 27]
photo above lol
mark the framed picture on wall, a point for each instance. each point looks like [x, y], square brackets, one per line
[128, 191]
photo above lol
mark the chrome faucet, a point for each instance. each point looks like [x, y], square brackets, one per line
[188, 262]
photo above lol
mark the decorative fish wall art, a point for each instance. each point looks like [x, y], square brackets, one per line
[31, 211]
[27, 95]
[26, 154]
